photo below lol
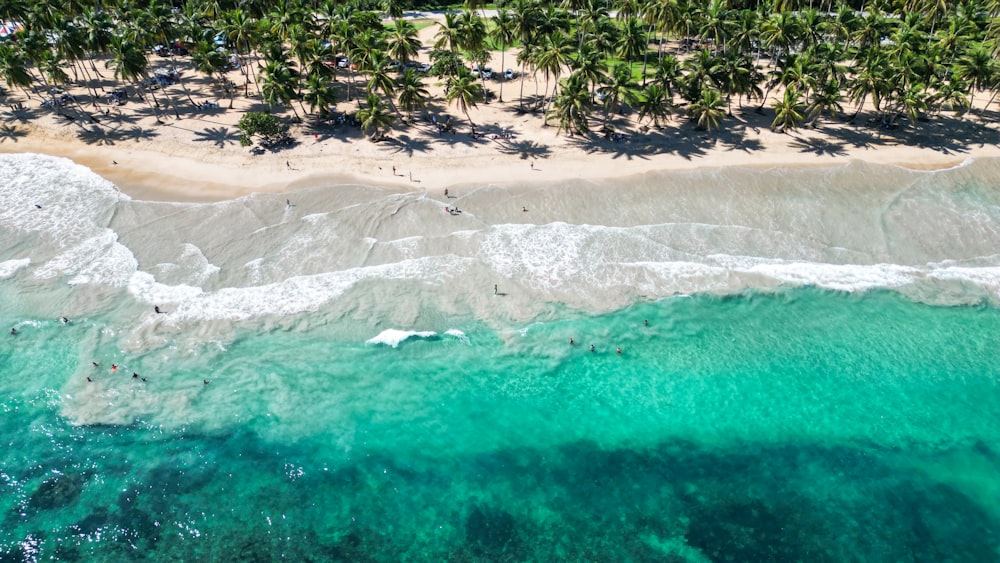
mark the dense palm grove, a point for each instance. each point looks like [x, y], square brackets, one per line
[906, 59]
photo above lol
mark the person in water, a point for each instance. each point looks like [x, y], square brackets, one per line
[157, 309]
[571, 342]
[13, 332]
[114, 368]
[619, 350]
[95, 364]
[592, 349]
[64, 320]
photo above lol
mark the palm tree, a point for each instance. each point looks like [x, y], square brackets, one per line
[632, 41]
[590, 65]
[319, 95]
[402, 43]
[913, 101]
[715, 23]
[788, 111]
[210, 62]
[241, 30]
[503, 33]
[780, 32]
[378, 76]
[978, 67]
[130, 64]
[553, 55]
[374, 117]
[654, 103]
[463, 91]
[620, 88]
[279, 78]
[449, 35]
[708, 111]
[412, 94]
[572, 106]
[13, 69]
[826, 100]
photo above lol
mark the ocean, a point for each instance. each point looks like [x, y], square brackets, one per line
[715, 365]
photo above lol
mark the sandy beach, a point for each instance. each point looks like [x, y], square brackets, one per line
[197, 157]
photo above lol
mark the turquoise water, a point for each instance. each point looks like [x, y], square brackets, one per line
[808, 370]
[804, 424]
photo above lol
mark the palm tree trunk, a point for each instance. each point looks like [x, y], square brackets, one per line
[520, 98]
[645, 55]
[503, 55]
[471, 124]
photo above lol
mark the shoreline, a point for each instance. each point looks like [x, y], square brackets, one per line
[145, 170]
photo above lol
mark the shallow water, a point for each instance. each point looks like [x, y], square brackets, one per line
[826, 392]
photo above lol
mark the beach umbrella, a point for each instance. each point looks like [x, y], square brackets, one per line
[9, 28]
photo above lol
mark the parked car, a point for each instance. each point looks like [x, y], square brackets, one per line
[423, 67]
[486, 73]
[508, 74]
[343, 62]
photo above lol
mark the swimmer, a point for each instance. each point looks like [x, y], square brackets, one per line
[38, 206]
[157, 309]
[13, 332]
[114, 368]
[205, 381]
[645, 323]
[592, 349]
[135, 375]
[89, 380]
[143, 379]
[95, 364]
[571, 342]
[619, 350]
[64, 320]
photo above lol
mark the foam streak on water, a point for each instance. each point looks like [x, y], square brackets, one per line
[807, 370]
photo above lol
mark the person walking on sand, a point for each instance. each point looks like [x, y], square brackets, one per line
[394, 170]
[446, 192]
[496, 290]
[532, 164]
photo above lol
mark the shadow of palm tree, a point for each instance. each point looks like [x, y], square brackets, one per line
[525, 149]
[10, 132]
[22, 115]
[97, 135]
[221, 136]
[137, 133]
[405, 145]
[818, 146]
